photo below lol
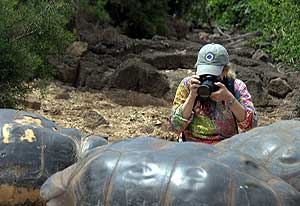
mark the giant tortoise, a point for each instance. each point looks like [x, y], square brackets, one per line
[33, 148]
[277, 147]
[151, 172]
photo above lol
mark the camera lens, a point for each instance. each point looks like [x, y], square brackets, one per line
[206, 88]
[204, 91]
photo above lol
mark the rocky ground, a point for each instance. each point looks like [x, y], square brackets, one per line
[97, 70]
[116, 113]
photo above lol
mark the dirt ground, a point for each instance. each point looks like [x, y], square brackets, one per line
[116, 114]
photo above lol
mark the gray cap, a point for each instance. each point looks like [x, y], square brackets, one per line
[211, 59]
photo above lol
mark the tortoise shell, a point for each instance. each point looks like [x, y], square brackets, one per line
[277, 147]
[32, 148]
[150, 171]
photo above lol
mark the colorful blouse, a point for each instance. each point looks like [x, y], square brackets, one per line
[211, 121]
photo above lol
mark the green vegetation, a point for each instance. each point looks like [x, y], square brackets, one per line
[230, 13]
[29, 31]
[278, 20]
[94, 9]
[139, 18]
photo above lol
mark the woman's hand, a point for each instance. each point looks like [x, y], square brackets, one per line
[194, 85]
[188, 105]
[223, 94]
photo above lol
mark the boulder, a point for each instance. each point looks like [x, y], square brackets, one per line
[279, 88]
[77, 49]
[134, 74]
[171, 60]
[95, 71]
[66, 68]
[261, 56]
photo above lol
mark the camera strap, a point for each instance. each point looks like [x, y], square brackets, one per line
[229, 83]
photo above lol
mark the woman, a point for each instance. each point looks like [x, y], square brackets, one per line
[217, 114]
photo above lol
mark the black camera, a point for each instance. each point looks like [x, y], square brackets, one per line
[208, 85]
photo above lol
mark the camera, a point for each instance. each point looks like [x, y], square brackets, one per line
[208, 85]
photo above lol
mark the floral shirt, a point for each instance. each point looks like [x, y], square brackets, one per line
[210, 119]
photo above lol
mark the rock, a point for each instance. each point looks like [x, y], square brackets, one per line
[66, 68]
[171, 60]
[242, 51]
[258, 93]
[136, 75]
[174, 78]
[67, 74]
[33, 104]
[203, 36]
[91, 75]
[196, 37]
[159, 38]
[188, 60]
[98, 66]
[111, 42]
[77, 49]
[242, 61]
[93, 119]
[163, 60]
[147, 129]
[64, 95]
[261, 55]
[55, 111]
[96, 71]
[279, 88]
[293, 79]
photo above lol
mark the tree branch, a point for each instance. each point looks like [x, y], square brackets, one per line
[23, 36]
[221, 32]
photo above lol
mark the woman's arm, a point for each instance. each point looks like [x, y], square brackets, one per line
[237, 108]
[244, 98]
[223, 94]
[241, 104]
[182, 110]
[193, 85]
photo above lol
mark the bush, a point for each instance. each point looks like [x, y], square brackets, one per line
[139, 18]
[143, 18]
[280, 23]
[180, 8]
[278, 20]
[198, 12]
[230, 13]
[95, 10]
[33, 30]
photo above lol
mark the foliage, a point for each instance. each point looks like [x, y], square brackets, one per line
[278, 20]
[143, 18]
[195, 11]
[33, 30]
[198, 12]
[180, 8]
[95, 9]
[230, 13]
[139, 18]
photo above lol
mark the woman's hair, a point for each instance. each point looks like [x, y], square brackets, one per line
[230, 72]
